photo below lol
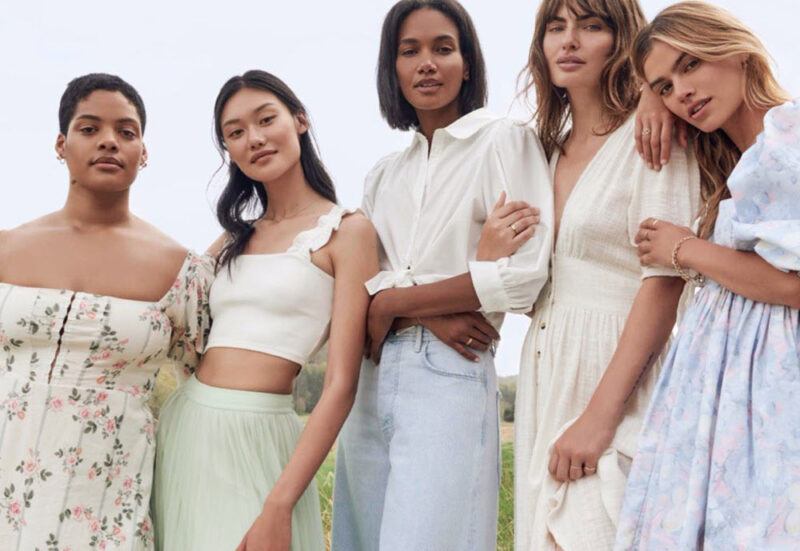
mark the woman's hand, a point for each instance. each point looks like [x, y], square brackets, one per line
[578, 450]
[656, 240]
[463, 332]
[655, 125]
[508, 227]
[379, 323]
[271, 531]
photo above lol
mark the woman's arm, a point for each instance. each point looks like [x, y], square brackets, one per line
[654, 129]
[646, 330]
[355, 260]
[744, 273]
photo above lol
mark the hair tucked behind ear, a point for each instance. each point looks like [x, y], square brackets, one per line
[243, 201]
[619, 85]
[711, 34]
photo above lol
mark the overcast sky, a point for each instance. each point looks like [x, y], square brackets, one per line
[178, 54]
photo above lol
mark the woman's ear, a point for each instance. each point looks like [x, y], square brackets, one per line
[60, 146]
[301, 123]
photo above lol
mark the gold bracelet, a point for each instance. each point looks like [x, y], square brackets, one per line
[698, 279]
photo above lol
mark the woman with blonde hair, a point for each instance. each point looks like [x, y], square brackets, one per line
[717, 461]
[602, 321]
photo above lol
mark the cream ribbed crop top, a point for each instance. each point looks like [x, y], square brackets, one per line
[279, 303]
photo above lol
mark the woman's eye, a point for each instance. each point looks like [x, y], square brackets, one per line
[130, 134]
[555, 29]
[267, 120]
[692, 64]
[407, 53]
[665, 90]
[594, 27]
[234, 134]
[446, 49]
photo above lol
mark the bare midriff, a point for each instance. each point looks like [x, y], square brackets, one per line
[240, 369]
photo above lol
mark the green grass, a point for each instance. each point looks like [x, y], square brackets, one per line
[505, 523]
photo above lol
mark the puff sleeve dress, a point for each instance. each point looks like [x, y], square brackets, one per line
[77, 442]
[717, 465]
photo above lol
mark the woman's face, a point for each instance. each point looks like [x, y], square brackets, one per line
[261, 134]
[576, 48]
[430, 68]
[103, 146]
[706, 94]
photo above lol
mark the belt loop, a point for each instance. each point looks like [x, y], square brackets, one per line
[418, 338]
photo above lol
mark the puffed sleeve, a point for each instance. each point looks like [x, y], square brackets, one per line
[189, 313]
[765, 189]
[511, 284]
[671, 194]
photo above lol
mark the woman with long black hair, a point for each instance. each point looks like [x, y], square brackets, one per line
[234, 464]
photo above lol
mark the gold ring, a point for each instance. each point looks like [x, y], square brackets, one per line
[647, 235]
[655, 221]
[469, 341]
[646, 131]
[590, 469]
[513, 227]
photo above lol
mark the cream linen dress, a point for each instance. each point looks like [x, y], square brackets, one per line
[576, 324]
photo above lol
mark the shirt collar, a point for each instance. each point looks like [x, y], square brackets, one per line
[466, 126]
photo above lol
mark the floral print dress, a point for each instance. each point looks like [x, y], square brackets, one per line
[718, 465]
[77, 439]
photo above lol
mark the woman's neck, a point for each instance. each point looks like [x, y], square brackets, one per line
[586, 112]
[85, 209]
[289, 195]
[431, 121]
[744, 126]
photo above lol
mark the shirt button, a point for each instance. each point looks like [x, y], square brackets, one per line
[538, 353]
[542, 326]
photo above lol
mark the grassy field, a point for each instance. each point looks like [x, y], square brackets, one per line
[505, 524]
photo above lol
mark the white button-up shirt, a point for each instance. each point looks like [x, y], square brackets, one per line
[429, 207]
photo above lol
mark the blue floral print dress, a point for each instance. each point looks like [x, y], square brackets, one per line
[718, 465]
[77, 442]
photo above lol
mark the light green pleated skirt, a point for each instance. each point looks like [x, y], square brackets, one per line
[219, 452]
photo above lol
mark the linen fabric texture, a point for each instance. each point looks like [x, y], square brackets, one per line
[574, 331]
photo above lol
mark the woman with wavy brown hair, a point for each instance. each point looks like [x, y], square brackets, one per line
[603, 320]
[717, 463]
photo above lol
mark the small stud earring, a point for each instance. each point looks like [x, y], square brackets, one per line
[60, 159]
[143, 165]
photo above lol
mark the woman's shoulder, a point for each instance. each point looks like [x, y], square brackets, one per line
[355, 231]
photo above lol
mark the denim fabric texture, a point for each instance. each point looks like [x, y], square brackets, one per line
[418, 463]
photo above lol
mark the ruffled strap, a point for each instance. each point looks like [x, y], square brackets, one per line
[317, 237]
[765, 189]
